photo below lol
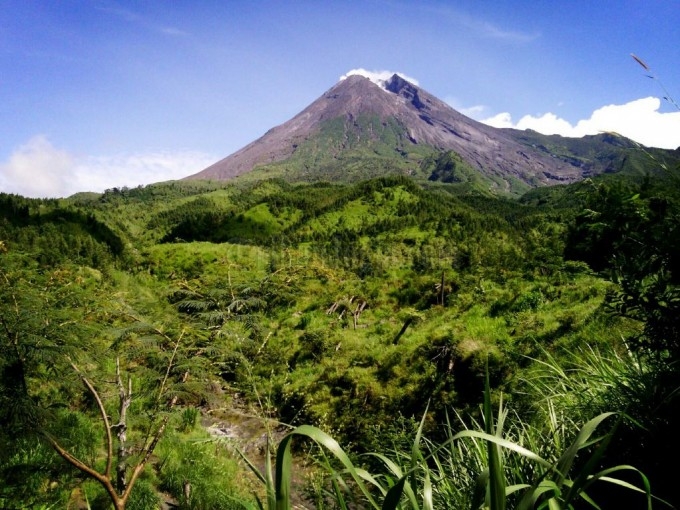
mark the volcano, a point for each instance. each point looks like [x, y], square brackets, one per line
[362, 128]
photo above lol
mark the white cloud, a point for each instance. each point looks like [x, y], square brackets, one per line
[639, 120]
[552, 123]
[479, 26]
[500, 120]
[378, 77]
[172, 31]
[136, 18]
[473, 112]
[38, 169]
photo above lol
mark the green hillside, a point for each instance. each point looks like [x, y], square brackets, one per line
[341, 152]
[359, 308]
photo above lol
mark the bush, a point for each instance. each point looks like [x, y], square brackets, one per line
[200, 475]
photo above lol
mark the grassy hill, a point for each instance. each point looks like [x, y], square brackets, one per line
[358, 308]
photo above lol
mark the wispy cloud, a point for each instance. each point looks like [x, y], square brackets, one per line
[120, 12]
[491, 31]
[639, 120]
[136, 18]
[172, 31]
[39, 169]
[479, 26]
[50, 56]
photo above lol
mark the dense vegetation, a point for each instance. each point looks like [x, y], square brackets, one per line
[373, 311]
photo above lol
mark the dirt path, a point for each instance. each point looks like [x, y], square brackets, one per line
[247, 430]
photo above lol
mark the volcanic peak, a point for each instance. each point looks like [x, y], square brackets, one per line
[405, 89]
[379, 78]
[393, 118]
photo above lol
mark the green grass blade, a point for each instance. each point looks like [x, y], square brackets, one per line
[393, 497]
[580, 483]
[540, 487]
[553, 504]
[416, 454]
[427, 489]
[337, 490]
[252, 466]
[337, 482]
[566, 460]
[496, 484]
[265, 478]
[368, 477]
[505, 443]
[284, 464]
[284, 468]
[511, 489]
[392, 466]
[418, 459]
[604, 476]
[271, 488]
[581, 494]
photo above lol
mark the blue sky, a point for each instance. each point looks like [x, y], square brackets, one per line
[103, 93]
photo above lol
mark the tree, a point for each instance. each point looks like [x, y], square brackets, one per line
[119, 491]
[41, 320]
[46, 324]
[632, 233]
[214, 307]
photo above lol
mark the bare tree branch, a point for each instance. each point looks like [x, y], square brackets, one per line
[167, 372]
[125, 399]
[103, 479]
[147, 451]
[105, 419]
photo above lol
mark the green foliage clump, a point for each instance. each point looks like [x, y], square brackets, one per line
[631, 233]
[503, 462]
[56, 233]
[199, 474]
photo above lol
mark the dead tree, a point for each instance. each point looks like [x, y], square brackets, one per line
[119, 492]
[342, 306]
[361, 306]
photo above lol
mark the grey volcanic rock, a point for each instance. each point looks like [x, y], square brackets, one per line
[424, 120]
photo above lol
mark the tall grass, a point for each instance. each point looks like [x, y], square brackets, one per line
[590, 380]
[643, 391]
[504, 462]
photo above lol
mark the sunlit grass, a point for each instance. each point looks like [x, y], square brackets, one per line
[504, 462]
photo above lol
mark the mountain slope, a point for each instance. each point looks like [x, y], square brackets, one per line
[359, 129]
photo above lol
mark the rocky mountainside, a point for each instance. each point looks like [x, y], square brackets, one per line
[399, 125]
